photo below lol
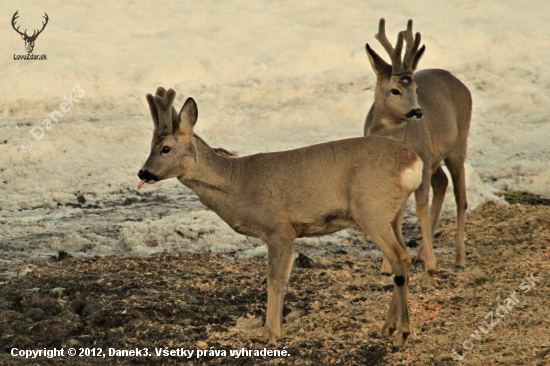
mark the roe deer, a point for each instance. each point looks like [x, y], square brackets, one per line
[280, 196]
[445, 106]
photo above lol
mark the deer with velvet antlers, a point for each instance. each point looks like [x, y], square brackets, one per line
[430, 111]
[280, 196]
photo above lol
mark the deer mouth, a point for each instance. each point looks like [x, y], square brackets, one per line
[146, 177]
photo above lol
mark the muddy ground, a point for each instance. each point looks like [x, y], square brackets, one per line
[334, 307]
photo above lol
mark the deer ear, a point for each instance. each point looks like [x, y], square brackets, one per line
[417, 56]
[23, 36]
[380, 67]
[188, 117]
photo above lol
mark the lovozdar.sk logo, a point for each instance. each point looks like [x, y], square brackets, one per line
[29, 40]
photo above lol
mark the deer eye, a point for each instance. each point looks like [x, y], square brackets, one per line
[395, 92]
[165, 150]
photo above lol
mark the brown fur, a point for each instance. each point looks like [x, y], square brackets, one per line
[441, 135]
[280, 196]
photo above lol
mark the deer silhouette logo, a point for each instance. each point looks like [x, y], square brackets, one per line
[29, 40]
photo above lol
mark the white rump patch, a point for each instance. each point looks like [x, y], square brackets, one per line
[412, 176]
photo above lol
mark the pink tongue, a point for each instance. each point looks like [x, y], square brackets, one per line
[141, 184]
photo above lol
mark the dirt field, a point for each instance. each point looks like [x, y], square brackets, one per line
[334, 307]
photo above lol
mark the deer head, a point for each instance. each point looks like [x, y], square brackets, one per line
[173, 149]
[29, 40]
[395, 87]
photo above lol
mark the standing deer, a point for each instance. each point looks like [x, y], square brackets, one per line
[278, 197]
[445, 106]
[29, 40]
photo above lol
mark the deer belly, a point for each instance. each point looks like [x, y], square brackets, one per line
[327, 224]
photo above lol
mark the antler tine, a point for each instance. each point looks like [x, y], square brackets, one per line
[160, 91]
[381, 37]
[165, 101]
[397, 65]
[13, 19]
[394, 53]
[166, 112]
[409, 34]
[154, 111]
[412, 46]
[44, 23]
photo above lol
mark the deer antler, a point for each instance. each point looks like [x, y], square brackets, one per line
[13, 19]
[410, 60]
[163, 112]
[43, 26]
[35, 33]
[394, 53]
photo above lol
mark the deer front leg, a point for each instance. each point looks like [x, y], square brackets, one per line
[280, 256]
[397, 229]
[421, 196]
[397, 319]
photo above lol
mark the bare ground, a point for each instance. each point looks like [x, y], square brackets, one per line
[334, 307]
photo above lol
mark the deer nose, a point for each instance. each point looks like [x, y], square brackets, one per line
[146, 175]
[415, 113]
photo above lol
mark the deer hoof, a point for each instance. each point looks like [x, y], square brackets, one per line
[271, 337]
[387, 331]
[400, 339]
[429, 263]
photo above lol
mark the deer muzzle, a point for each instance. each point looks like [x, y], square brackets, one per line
[145, 177]
[415, 113]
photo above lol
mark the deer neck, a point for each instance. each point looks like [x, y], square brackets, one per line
[212, 176]
[384, 124]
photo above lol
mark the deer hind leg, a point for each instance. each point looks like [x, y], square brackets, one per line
[439, 186]
[456, 168]
[397, 230]
[381, 232]
[280, 256]
[421, 196]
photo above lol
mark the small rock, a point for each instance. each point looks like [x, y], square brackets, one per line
[202, 344]
[73, 343]
[58, 291]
